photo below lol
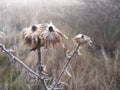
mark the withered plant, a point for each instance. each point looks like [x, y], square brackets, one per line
[46, 35]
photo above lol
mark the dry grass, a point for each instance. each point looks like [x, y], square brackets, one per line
[91, 71]
[88, 72]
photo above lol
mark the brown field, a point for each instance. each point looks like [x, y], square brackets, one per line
[96, 69]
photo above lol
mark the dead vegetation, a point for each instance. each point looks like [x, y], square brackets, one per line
[96, 69]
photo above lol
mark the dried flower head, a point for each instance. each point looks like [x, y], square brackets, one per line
[1, 34]
[31, 36]
[82, 39]
[53, 36]
[41, 35]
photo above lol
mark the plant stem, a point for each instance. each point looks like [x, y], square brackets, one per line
[39, 60]
[18, 60]
[66, 65]
[2, 47]
[40, 68]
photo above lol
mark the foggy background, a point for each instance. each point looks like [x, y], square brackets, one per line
[95, 70]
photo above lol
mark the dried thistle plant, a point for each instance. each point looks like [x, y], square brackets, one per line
[79, 41]
[41, 35]
[31, 36]
[82, 40]
[53, 36]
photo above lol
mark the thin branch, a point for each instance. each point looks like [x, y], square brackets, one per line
[65, 67]
[2, 47]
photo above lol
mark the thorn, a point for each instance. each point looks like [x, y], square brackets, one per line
[43, 67]
[32, 76]
[78, 52]
[1, 47]
[47, 78]
[68, 73]
[11, 50]
[12, 60]
[64, 83]
[44, 74]
[68, 54]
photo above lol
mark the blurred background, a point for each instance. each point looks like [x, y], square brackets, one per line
[96, 69]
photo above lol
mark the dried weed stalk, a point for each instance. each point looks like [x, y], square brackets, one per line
[46, 35]
[79, 41]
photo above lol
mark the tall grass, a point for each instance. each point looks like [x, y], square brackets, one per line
[88, 72]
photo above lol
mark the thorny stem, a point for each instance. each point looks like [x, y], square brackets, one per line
[39, 60]
[40, 65]
[24, 65]
[18, 60]
[40, 68]
[66, 65]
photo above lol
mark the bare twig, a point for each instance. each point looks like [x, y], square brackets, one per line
[2, 47]
[66, 65]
